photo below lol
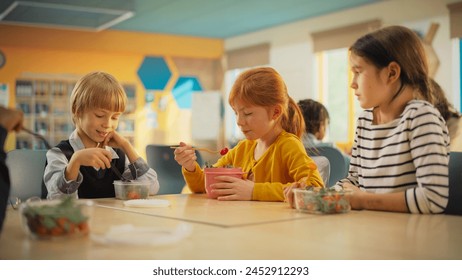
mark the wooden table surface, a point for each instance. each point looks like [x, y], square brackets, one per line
[197, 208]
[249, 230]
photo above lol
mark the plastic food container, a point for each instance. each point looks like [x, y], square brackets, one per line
[324, 201]
[131, 190]
[211, 173]
[49, 219]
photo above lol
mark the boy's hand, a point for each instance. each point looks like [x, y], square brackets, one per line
[96, 157]
[115, 140]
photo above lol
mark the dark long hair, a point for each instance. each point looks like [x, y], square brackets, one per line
[446, 109]
[403, 46]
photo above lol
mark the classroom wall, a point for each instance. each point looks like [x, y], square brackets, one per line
[56, 53]
[291, 51]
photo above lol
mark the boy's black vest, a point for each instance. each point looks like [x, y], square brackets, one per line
[95, 184]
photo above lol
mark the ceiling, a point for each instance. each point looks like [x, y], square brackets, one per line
[202, 18]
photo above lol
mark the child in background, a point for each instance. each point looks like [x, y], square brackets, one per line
[272, 151]
[316, 119]
[81, 165]
[401, 150]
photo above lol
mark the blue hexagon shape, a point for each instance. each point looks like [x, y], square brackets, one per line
[154, 73]
[183, 90]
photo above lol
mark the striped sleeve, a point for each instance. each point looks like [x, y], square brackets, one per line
[429, 143]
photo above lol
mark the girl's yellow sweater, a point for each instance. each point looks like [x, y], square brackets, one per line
[284, 163]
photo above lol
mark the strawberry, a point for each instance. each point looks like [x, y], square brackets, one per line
[224, 151]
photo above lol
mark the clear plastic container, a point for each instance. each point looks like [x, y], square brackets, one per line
[131, 189]
[324, 201]
[49, 219]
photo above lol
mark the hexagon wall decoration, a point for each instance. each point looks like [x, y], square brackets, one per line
[183, 90]
[154, 73]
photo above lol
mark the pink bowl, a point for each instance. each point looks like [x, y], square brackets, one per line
[211, 173]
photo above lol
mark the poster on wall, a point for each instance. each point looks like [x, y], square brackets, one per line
[206, 115]
[4, 95]
[150, 114]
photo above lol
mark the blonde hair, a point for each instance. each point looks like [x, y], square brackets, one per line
[97, 90]
[264, 87]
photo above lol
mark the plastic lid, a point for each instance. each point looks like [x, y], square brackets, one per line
[131, 235]
[147, 203]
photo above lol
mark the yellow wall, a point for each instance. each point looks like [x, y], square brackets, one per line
[63, 52]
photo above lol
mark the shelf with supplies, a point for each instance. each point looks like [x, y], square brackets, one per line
[46, 106]
[127, 120]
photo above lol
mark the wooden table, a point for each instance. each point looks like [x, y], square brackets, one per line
[250, 230]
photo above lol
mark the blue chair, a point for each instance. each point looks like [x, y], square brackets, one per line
[161, 159]
[454, 206]
[26, 169]
[339, 164]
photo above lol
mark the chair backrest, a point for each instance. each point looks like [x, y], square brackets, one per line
[26, 169]
[339, 164]
[455, 184]
[161, 159]
[323, 167]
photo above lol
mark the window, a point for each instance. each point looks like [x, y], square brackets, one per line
[332, 85]
[232, 132]
[455, 25]
[460, 73]
[333, 76]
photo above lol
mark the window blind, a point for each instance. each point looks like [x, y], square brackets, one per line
[342, 37]
[455, 19]
[248, 57]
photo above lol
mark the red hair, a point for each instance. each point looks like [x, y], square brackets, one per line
[264, 87]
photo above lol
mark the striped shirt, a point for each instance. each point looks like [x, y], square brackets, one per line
[409, 154]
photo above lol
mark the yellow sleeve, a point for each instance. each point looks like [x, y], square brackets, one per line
[286, 163]
[195, 180]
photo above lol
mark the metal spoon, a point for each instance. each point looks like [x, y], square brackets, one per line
[117, 172]
[221, 152]
[38, 136]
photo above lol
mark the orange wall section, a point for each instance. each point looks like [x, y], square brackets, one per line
[42, 51]
[111, 41]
